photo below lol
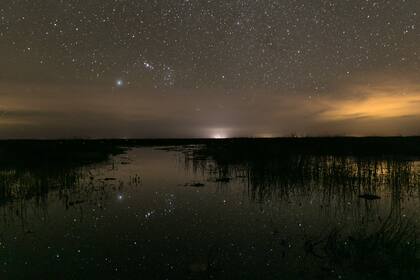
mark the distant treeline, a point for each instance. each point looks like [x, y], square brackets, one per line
[79, 151]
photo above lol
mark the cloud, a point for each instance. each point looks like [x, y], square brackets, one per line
[366, 107]
[374, 103]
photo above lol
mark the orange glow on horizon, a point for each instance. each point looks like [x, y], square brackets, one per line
[375, 104]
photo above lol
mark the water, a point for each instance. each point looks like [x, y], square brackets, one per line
[156, 213]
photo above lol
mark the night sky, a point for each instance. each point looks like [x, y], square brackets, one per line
[195, 68]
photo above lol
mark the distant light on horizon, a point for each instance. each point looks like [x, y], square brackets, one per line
[265, 135]
[218, 133]
[219, 136]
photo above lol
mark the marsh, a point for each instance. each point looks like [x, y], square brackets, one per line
[219, 209]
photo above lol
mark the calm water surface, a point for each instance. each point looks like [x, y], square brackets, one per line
[160, 214]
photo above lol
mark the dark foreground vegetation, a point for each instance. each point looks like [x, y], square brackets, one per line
[269, 161]
[85, 151]
[355, 180]
[330, 146]
[358, 167]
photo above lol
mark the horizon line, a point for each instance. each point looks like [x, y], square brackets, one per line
[204, 138]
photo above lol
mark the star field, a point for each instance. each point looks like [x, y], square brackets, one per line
[255, 50]
[283, 45]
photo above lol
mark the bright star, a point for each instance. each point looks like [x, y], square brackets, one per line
[119, 83]
[148, 66]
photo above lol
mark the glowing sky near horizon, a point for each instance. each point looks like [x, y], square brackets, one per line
[190, 68]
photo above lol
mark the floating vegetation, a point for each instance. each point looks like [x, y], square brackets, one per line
[195, 185]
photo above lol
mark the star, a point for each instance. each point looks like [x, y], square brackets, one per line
[119, 83]
[148, 66]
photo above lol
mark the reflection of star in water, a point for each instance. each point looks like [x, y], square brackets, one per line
[170, 204]
[149, 214]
